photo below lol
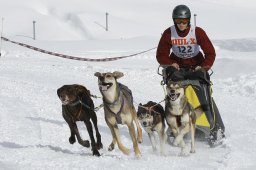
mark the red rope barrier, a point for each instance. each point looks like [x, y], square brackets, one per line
[73, 57]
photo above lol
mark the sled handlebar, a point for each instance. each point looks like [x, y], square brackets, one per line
[184, 68]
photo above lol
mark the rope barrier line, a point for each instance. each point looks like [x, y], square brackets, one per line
[73, 57]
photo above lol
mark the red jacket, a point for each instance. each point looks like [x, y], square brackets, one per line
[164, 57]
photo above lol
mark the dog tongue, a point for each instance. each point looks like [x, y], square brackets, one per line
[104, 88]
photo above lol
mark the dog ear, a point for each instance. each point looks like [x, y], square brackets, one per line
[159, 108]
[97, 74]
[58, 92]
[151, 103]
[84, 95]
[118, 74]
[169, 82]
[82, 90]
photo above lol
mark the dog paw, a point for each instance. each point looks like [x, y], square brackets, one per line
[163, 154]
[183, 154]
[85, 143]
[139, 140]
[192, 151]
[179, 142]
[95, 152]
[182, 143]
[127, 151]
[175, 143]
[137, 152]
[72, 139]
[111, 147]
[170, 140]
[99, 146]
[138, 155]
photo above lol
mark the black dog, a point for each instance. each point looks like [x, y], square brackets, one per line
[77, 105]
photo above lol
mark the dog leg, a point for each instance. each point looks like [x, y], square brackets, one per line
[179, 139]
[162, 137]
[139, 130]
[125, 150]
[98, 136]
[72, 138]
[172, 123]
[184, 129]
[193, 128]
[112, 145]
[180, 142]
[74, 130]
[169, 136]
[134, 139]
[152, 140]
[84, 143]
[90, 131]
[116, 137]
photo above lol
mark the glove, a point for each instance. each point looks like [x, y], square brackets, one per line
[175, 65]
[199, 68]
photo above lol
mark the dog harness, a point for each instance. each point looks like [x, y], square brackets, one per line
[77, 115]
[123, 90]
[117, 115]
[150, 108]
[80, 102]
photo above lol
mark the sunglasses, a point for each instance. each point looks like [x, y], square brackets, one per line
[181, 20]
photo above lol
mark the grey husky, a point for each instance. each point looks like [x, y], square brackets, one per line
[180, 115]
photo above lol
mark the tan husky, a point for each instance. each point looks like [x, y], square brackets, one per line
[119, 109]
[180, 115]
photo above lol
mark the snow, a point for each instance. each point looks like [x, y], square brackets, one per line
[33, 134]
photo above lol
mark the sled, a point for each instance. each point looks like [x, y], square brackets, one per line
[210, 122]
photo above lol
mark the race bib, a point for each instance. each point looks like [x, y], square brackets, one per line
[184, 47]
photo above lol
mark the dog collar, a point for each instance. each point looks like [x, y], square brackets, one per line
[80, 102]
[75, 103]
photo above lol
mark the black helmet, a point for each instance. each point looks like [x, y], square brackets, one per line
[181, 11]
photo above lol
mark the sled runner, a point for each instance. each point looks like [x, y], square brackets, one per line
[199, 94]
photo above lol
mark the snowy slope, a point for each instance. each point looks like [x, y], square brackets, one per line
[33, 134]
